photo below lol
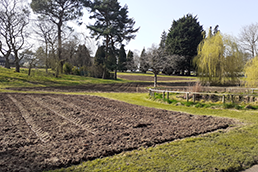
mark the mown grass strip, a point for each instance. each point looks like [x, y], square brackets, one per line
[230, 150]
[38, 78]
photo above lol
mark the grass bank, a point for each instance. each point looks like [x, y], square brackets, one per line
[39, 78]
[226, 150]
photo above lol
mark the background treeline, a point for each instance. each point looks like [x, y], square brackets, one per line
[186, 49]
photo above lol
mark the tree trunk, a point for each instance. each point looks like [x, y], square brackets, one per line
[46, 58]
[17, 66]
[17, 60]
[7, 63]
[104, 72]
[59, 36]
[115, 77]
[155, 80]
[29, 70]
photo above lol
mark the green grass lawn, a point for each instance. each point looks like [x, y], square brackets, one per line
[39, 78]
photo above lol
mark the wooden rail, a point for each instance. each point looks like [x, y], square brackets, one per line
[231, 96]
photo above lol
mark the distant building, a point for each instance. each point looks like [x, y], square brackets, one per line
[11, 60]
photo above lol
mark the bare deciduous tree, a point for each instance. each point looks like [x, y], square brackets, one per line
[249, 37]
[156, 59]
[47, 34]
[14, 18]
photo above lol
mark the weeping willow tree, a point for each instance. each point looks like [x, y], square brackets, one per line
[251, 71]
[219, 60]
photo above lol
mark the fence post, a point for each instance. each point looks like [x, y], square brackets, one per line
[193, 97]
[251, 99]
[232, 98]
[163, 95]
[187, 97]
[223, 99]
[150, 92]
[167, 95]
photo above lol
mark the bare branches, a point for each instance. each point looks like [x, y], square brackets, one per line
[14, 18]
[248, 38]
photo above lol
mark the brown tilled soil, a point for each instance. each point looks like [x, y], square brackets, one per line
[134, 87]
[51, 131]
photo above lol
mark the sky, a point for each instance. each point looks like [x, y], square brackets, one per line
[153, 17]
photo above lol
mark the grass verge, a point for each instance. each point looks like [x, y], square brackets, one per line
[38, 78]
[231, 150]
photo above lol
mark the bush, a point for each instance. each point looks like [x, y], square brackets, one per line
[84, 71]
[67, 68]
[76, 70]
[96, 71]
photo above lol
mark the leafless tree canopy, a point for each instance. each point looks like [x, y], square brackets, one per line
[249, 37]
[14, 18]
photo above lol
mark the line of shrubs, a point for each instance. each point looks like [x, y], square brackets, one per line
[95, 71]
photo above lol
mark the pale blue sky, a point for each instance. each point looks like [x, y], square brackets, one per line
[155, 16]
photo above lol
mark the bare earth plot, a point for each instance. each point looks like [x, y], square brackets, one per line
[51, 131]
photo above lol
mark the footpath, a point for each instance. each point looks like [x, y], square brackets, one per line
[252, 169]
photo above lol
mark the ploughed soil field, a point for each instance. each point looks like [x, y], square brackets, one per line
[151, 78]
[137, 87]
[40, 132]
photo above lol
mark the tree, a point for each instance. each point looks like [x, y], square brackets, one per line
[183, 39]
[30, 59]
[156, 59]
[163, 39]
[144, 66]
[82, 56]
[59, 12]
[122, 59]
[219, 60]
[100, 56]
[46, 32]
[14, 18]
[113, 24]
[130, 61]
[249, 37]
[251, 70]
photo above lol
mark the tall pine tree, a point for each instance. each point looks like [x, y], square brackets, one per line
[122, 59]
[111, 23]
[183, 39]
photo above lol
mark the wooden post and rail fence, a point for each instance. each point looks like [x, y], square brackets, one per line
[231, 97]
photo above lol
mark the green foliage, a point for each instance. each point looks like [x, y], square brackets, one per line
[76, 70]
[67, 68]
[144, 66]
[163, 40]
[113, 24]
[122, 59]
[183, 39]
[130, 61]
[100, 56]
[96, 71]
[111, 61]
[219, 60]
[251, 72]
[58, 12]
[82, 57]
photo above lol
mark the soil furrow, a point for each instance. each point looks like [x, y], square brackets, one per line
[43, 136]
[72, 144]
[98, 115]
[75, 121]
